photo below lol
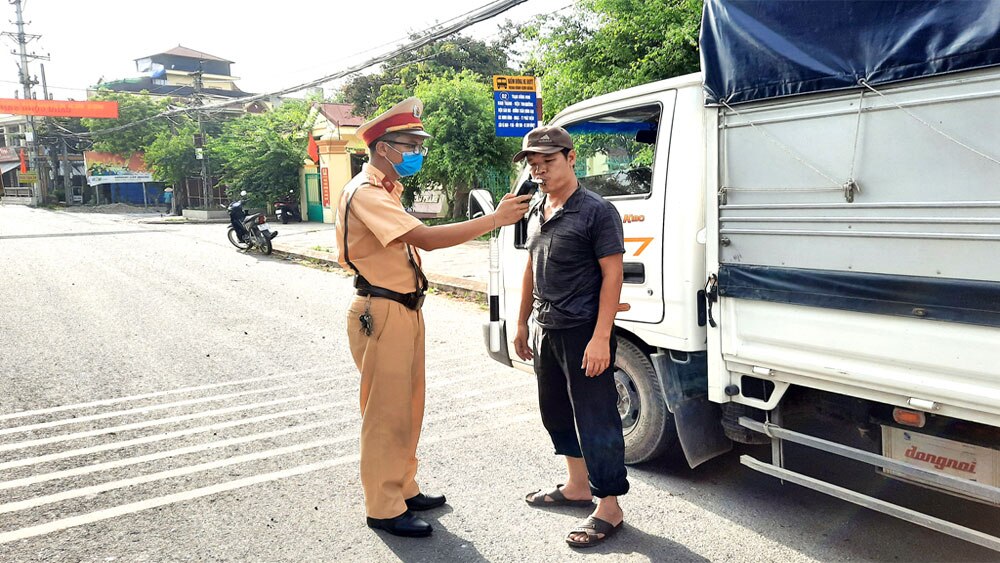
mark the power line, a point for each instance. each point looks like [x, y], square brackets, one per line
[435, 33]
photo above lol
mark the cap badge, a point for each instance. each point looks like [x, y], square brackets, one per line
[416, 112]
[544, 139]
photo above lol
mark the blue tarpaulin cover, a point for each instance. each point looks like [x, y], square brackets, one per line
[758, 49]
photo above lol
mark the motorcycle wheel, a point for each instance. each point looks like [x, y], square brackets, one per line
[235, 239]
[262, 242]
[284, 218]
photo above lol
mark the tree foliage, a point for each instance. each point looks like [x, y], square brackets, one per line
[262, 153]
[440, 59]
[131, 108]
[172, 155]
[607, 45]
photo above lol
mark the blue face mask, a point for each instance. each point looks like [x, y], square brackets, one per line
[411, 164]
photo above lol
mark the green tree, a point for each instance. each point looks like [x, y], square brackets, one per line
[172, 155]
[458, 112]
[607, 45]
[262, 153]
[132, 108]
[443, 58]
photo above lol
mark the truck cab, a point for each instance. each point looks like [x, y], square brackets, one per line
[643, 149]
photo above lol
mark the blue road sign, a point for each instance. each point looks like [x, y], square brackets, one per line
[516, 113]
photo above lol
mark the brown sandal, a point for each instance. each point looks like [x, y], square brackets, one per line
[537, 498]
[593, 527]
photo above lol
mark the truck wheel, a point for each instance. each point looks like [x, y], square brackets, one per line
[646, 423]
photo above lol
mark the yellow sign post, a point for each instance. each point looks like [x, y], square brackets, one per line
[27, 177]
[514, 83]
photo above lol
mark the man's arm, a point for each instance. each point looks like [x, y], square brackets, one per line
[521, 347]
[508, 212]
[597, 356]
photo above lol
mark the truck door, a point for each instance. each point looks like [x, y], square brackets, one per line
[622, 150]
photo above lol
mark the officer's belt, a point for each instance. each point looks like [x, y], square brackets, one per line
[413, 301]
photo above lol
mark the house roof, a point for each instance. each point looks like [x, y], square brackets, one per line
[145, 83]
[341, 114]
[181, 51]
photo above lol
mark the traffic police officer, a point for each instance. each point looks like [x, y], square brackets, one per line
[378, 241]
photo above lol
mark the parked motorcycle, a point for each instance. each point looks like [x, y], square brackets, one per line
[287, 209]
[246, 232]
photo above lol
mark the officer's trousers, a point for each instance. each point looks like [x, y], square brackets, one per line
[391, 362]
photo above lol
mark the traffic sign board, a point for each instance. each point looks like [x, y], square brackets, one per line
[516, 113]
[514, 83]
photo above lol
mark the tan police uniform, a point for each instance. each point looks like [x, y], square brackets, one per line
[391, 358]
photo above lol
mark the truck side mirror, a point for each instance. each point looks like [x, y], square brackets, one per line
[521, 227]
[480, 203]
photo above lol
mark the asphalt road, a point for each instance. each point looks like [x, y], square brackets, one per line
[166, 398]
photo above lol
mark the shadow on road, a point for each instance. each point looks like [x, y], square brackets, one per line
[632, 540]
[441, 546]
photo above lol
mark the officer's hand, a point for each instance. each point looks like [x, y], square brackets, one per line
[521, 347]
[597, 356]
[511, 209]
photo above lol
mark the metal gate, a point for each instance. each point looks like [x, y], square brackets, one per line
[314, 199]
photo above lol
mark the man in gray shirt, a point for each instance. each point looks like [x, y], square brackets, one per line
[572, 283]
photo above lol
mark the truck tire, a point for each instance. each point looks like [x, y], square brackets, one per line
[646, 423]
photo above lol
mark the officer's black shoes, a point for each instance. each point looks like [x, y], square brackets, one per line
[425, 502]
[406, 525]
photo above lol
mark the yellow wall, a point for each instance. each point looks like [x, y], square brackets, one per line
[335, 148]
[334, 157]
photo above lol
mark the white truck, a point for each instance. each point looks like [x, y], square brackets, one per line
[819, 269]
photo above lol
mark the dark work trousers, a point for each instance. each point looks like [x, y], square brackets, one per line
[580, 412]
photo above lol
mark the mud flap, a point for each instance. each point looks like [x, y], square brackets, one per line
[684, 382]
[502, 356]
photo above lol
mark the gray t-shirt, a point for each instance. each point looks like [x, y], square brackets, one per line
[564, 253]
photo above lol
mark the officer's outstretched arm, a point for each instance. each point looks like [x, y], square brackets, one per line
[510, 210]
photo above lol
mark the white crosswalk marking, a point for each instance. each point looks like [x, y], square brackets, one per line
[151, 408]
[116, 511]
[103, 402]
[311, 414]
[160, 437]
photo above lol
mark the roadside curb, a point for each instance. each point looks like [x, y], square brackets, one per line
[462, 287]
[183, 222]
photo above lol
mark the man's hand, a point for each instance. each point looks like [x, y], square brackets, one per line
[521, 347]
[511, 209]
[597, 356]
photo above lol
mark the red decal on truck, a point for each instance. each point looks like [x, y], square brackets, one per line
[940, 461]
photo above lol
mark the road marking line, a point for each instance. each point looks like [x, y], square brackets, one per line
[160, 437]
[183, 418]
[104, 402]
[134, 507]
[151, 395]
[179, 472]
[165, 454]
[156, 422]
[159, 407]
[207, 466]
[125, 462]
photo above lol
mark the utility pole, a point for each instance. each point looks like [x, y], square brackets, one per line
[67, 171]
[199, 150]
[27, 82]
